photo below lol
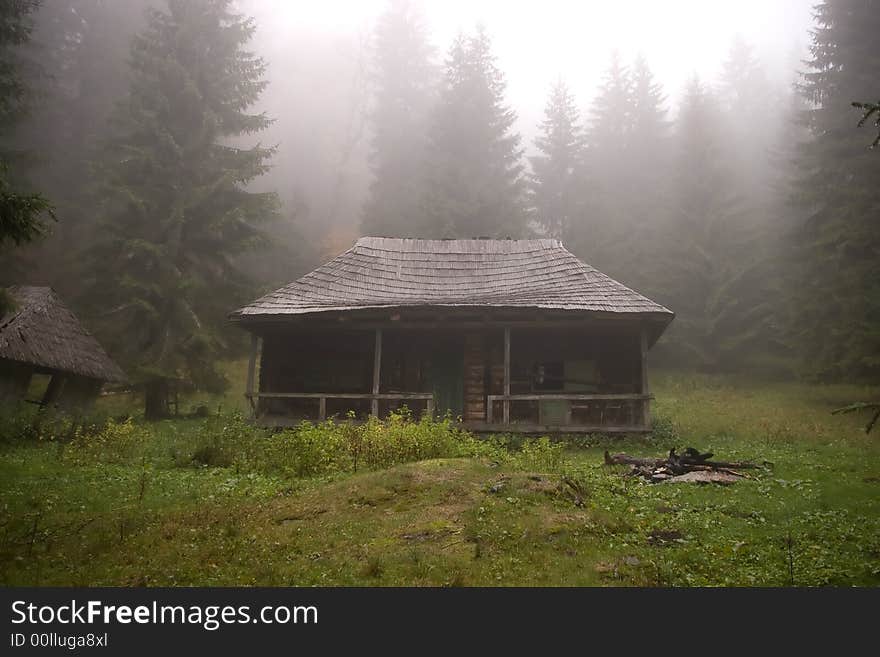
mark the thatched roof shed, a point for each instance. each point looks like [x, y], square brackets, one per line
[40, 335]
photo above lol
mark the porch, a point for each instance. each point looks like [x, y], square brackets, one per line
[564, 377]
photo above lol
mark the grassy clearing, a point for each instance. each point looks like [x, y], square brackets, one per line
[213, 502]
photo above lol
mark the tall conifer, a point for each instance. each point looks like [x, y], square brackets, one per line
[177, 210]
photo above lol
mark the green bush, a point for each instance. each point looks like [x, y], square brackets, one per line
[116, 441]
[29, 422]
[541, 454]
[664, 430]
[307, 450]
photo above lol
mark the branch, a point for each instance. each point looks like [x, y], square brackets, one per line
[870, 110]
[861, 406]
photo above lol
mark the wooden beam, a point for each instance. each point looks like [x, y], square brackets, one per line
[609, 320]
[646, 403]
[518, 427]
[54, 389]
[322, 408]
[252, 364]
[570, 396]
[506, 404]
[343, 395]
[484, 427]
[377, 366]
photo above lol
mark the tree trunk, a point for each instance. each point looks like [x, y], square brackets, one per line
[156, 399]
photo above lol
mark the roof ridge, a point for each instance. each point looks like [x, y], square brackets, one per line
[372, 241]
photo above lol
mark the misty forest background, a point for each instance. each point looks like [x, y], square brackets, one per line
[167, 198]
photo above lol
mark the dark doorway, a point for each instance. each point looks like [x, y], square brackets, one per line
[447, 375]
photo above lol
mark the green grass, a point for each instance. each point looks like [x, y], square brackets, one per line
[209, 502]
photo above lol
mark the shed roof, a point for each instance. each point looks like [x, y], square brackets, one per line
[41, 331]
[384, 272]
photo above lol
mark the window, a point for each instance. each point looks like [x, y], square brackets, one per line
[548, 376]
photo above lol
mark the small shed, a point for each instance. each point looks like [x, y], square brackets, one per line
[507, 335]
[40, 335]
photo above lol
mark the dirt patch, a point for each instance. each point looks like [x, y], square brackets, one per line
[541, 484]
[423, 535]
[302, 515]
[661, 537]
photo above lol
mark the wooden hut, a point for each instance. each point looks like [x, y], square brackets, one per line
[510, 335]
[40, 335]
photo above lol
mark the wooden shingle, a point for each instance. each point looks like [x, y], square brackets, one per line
[382, 272]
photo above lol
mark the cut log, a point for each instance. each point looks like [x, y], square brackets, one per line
[625, 459]
[674, 466]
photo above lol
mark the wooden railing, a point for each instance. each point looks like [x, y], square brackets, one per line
[322, 398]
[607, 408]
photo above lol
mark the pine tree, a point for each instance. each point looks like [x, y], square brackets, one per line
[838, 322]
[178, 211]
[405, 88]
[77, 63]
[475, 181]
[612, 113]
[601, 233]
[22, 212]
[555, 172]
[646, 180]
[701, 239]
[750, 118]
[624, 181]
[649, 125]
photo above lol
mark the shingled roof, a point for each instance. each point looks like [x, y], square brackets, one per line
[41, 331]
[383, 272]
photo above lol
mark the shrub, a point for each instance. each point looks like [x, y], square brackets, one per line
[307, 450]
[24, 422]
[541, 453]
[115, 442]
[664, 430]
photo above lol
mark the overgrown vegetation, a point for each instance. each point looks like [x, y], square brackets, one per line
[216, 501]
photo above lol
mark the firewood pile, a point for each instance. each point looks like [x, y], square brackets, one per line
[690, 466]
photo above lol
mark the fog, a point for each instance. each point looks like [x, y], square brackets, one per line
[673, 145]
[319, 58]
[538, 42]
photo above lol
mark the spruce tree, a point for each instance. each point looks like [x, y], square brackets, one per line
[556, 171]
[646, 180]
[22, 211]
[602, 230]
[750, 120]
[405, 81]
[701, 235]
[77, 59]
[475, 181]
[649, 130]
[177, 210]
[838, 250]
[612, 113]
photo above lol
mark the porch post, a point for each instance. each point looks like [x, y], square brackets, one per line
[377, 363]
[252, 364]
[506, 403]
[646, 403]
[54, 389]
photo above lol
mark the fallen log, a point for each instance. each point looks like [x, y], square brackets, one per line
[626, 459]
[690, 462]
